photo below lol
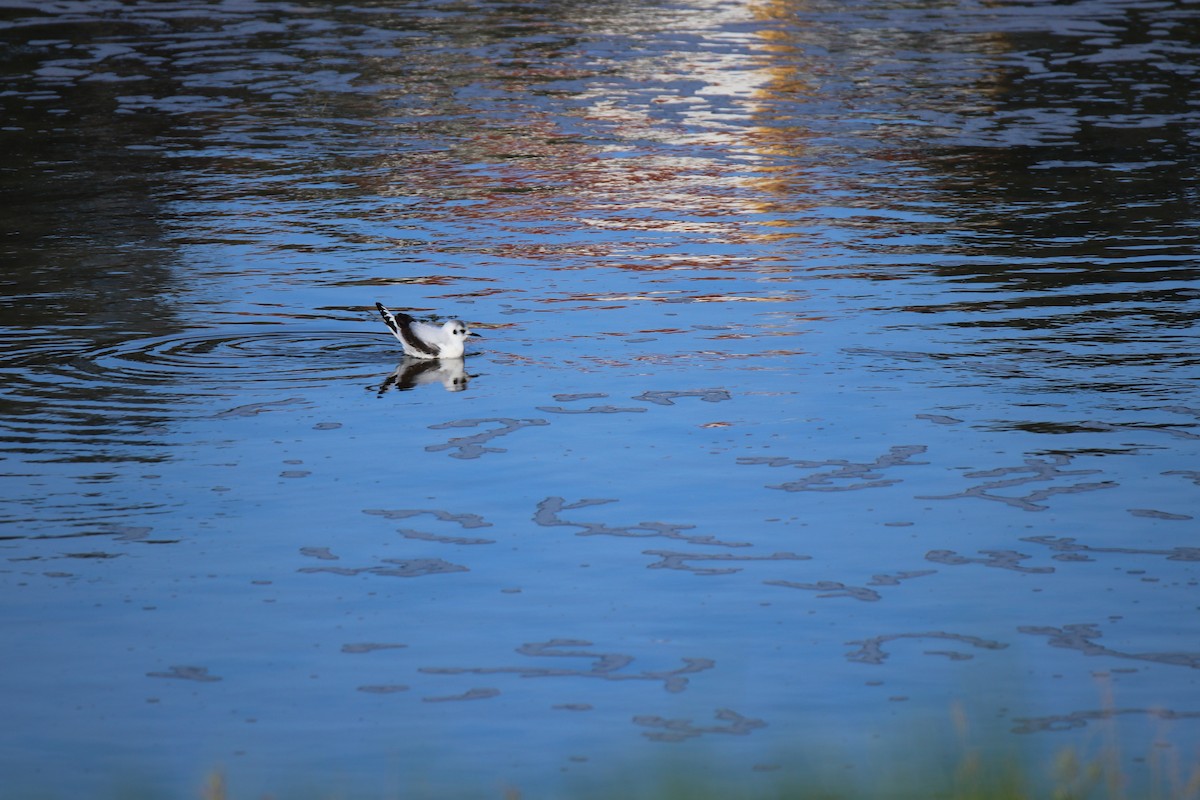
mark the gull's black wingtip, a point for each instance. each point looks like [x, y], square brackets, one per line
[389, 320]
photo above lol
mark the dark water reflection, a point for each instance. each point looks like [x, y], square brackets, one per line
[839, 370]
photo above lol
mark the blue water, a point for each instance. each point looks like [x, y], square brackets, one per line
[836, 407]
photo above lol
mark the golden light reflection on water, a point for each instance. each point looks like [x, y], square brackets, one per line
[702, 190]
[776, 137]
[680, 140]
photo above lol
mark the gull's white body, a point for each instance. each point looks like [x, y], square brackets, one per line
[424, 340]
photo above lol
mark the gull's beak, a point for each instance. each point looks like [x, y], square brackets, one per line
[473, 333]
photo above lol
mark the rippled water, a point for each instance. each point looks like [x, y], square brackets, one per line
[838, 376]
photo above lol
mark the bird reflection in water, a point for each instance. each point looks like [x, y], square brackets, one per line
[411, 373]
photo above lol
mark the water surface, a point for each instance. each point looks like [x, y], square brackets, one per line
[838, 382]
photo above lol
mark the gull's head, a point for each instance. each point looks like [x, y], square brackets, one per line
[457, 329]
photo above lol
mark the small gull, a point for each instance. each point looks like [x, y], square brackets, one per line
[425, 340]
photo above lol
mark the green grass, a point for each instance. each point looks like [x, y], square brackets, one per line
[965, 774]
[932, 762]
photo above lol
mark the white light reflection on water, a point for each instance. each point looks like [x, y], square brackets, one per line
[838, 372]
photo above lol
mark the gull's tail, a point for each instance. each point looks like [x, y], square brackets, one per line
[392, 324]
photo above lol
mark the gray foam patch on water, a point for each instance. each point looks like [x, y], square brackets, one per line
[678, 730]
[1081, 719]
[670, 559]
[474, 446]
[254, 409]
[668, 398]
[830, 589]
[940, 419]
[1156, 514]
[592, 410]
[872, 652]
[400, 568]
[465, 520]
[848, 475]
[1034, 469]
[547, 515]
[1069, 549]
[481, 693]
[370, 647]
[1082, 637]
[836, 589]
[1001, 559]
[323, 553]
[187, 673]
[409, 533]
[605, 666]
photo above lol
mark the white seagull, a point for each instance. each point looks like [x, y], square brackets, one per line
[424, 340]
